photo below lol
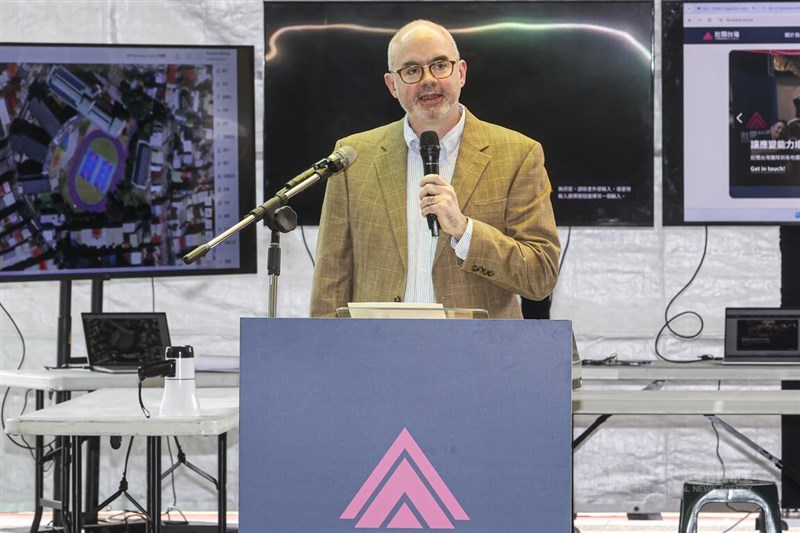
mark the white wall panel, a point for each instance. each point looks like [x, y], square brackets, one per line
[614, 285]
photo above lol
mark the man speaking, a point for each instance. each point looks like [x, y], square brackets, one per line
[474, 229]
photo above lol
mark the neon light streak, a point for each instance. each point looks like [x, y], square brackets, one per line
[643, 50]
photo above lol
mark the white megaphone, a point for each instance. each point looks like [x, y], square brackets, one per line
[180, 391]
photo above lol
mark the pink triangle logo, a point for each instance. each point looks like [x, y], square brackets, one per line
[708, 36]
[756, 122]
[404, 501]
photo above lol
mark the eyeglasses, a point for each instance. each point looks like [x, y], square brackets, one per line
[413, 74]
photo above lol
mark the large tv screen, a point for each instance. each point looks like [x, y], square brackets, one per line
[576, 76]
[731, 94]
[115, 161]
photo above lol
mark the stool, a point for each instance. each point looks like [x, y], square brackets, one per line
[764, 494]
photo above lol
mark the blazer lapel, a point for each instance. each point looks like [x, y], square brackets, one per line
[470, 166]
[390, 168]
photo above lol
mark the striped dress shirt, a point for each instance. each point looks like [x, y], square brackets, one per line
[421, 245]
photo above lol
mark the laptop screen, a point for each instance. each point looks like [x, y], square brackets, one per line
[125, 338]
[762, 335]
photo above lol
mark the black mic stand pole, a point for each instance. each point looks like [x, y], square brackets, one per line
[283, 221]
[279, 217]
[273, 271]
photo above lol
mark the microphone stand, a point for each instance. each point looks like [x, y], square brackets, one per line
[285, 221]
[279, 217]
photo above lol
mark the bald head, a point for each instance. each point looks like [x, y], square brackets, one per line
[430, 100]
[417, 29]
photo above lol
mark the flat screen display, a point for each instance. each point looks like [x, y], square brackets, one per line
[768, 335]
[115, 161]
[731, 94]
[576, 76]
[762, 335]
[125, 338]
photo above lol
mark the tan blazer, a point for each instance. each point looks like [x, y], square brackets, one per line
[501, 183]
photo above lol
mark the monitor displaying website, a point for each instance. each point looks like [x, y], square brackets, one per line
[739, 126]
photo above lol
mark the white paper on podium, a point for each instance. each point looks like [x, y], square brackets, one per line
[395, 310]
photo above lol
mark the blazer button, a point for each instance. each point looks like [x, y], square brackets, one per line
[398, 299]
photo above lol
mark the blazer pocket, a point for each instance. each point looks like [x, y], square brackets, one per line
[492, 212]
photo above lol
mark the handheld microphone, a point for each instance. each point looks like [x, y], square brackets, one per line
[324, 168]
[429, 149]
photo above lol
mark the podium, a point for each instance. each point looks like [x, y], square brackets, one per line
[405, 424]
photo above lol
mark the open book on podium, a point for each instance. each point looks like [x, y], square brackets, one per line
[406, 310]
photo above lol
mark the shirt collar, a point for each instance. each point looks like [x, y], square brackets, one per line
[449, 142]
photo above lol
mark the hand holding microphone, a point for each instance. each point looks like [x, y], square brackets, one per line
[438, 198]
[429, 149]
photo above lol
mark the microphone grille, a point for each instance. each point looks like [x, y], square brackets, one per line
[429, 138]
[348, 154]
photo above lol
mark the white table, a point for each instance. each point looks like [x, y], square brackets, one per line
[690, 401]
[709, 403]
[695, 371]
[686, 402]
[116, 412]
[63, 381]
[82, 379]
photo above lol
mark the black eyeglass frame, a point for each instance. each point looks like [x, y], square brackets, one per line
[400, 71]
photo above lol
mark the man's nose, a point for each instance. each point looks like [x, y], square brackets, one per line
[427, 76]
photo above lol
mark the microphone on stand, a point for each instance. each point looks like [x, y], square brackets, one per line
[321, 170]
[429, 150]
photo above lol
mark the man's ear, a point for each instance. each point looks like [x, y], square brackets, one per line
[389, 80]
[462, 68]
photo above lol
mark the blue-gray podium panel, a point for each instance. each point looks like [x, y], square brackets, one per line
[360, 424]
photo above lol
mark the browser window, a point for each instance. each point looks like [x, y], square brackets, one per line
[741, 111]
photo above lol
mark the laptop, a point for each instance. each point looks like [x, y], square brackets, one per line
[760, 335]
[122, 342]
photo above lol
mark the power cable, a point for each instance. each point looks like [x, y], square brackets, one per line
[25, 445]
[305, 243]
[669, 320]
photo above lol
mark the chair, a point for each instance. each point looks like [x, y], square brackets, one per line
[697, 494]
